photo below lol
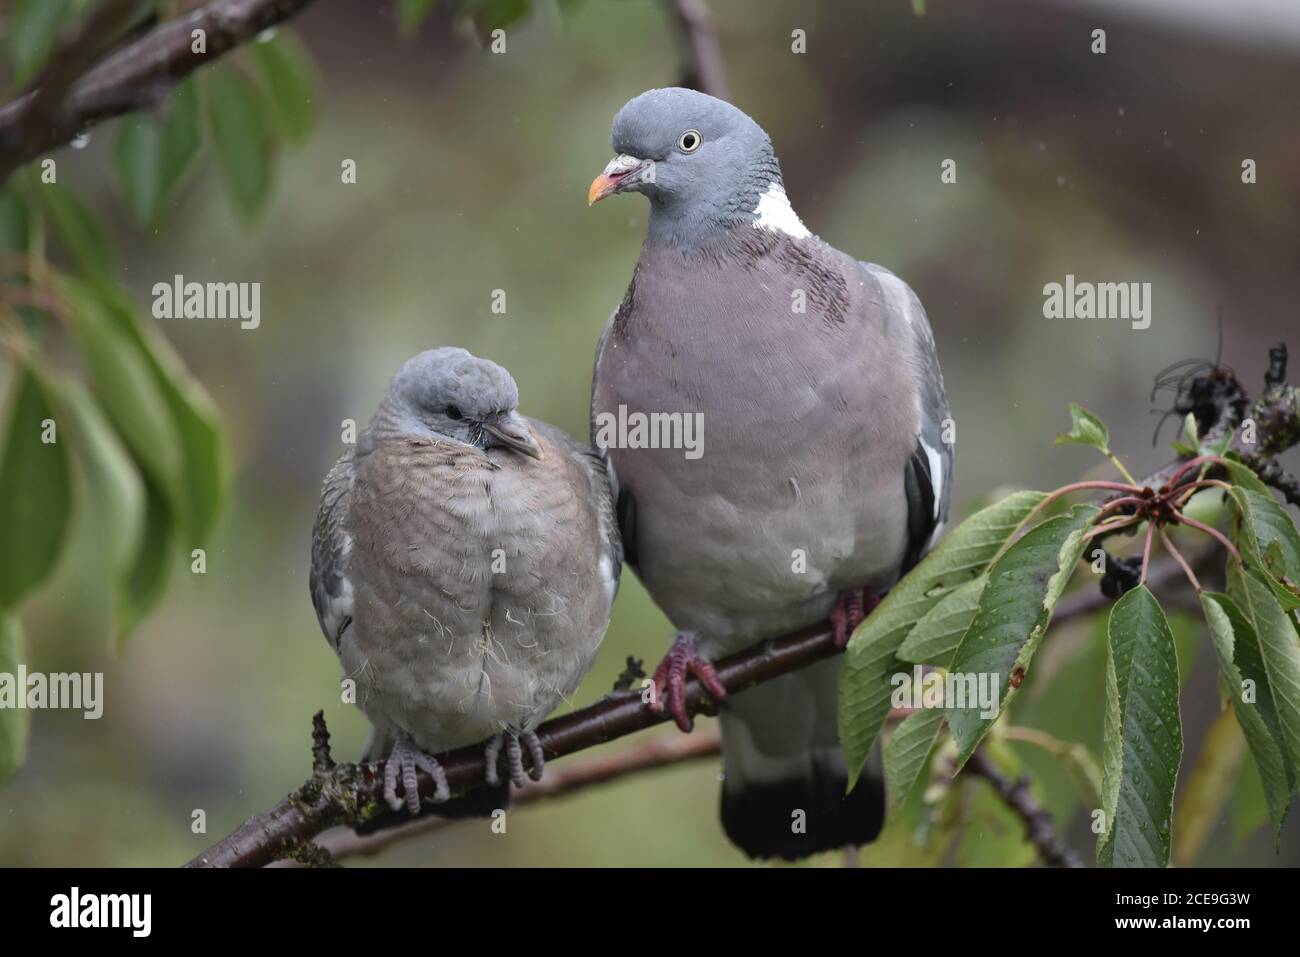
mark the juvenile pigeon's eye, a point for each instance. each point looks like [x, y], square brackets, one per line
[689, 141]
[453, 412]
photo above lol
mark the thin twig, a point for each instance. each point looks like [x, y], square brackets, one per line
[1146, 552]
[1018, 796]
[1214, 533]
[707, 71]
[1178, 557]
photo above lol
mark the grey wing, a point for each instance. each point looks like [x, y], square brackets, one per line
[596, 468]
[928, 474]
[331, 545]
[624, 504]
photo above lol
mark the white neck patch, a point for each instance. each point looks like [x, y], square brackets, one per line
[775, 213]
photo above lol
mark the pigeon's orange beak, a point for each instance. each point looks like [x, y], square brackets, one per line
[621, 169]
[601, 187]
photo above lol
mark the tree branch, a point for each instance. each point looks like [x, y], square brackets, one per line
[1018, 796]
[565, 779]
[72, 95]
[352, 794]
[706, 70]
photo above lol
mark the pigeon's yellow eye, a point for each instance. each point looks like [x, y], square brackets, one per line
[689, 141]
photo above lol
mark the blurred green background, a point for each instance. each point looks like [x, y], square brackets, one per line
[472, 170]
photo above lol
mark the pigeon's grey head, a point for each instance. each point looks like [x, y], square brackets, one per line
[455, 395]
[702, 163]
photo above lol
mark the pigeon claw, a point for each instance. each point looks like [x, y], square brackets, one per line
[670, 679]
[510, 740]
[405, 761]
[851, 608]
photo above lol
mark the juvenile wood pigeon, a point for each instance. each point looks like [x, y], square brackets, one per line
[464, 561]
[823, 473]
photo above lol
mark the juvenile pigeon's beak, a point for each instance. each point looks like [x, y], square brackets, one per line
[621, 168]
[511, 431]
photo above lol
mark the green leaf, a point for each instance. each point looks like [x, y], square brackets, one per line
[241, 136]
[33, 27]
[146, 579]
[35, 491]
[907, 750]
[871, 657]
[115, 493]
[1208, 788]
[290, 79]
[1015, 609]
[195, 418]
[1243, 475]
[1143, 735]
[410, 14]
[1268, 539]
[1249, 810]
[128, 390]
[935, 637]
[14, 722]
[181, 139]
[1245, 679]
[77, 229]
[1087, 429]
[137, 167]
[1190, 432]
[192, 472]
[1280, 649]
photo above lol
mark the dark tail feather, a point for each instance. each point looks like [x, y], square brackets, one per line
[784, 789]
[763, 819]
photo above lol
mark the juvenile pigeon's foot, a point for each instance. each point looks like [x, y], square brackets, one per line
[670, 679]
[514, 757]
[405, 760]
[849, 612]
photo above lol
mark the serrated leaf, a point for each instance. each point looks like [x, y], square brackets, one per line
[137, 167]
[181, 138]
[1143, 734]
[1280, 649]
[1205, 796]
[908, 748]
[935, 637]
[1268, 540]
[411, 13]
[1014, 612]
[76, 228]
[1086, 429]
[14, 722]
[1243, 475]
[290, 79]
[871, 657]
[35, 491]
[241, 137]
